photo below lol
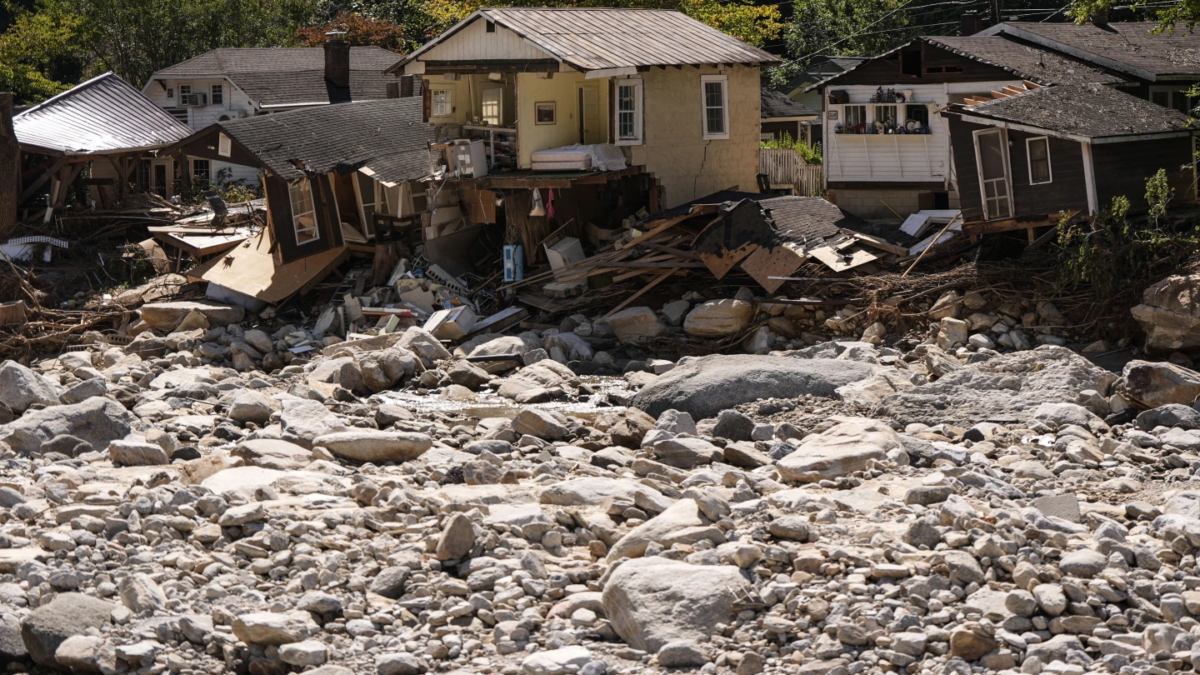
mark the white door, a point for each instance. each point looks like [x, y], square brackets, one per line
[493, 105]
[991, 154]
[589, 115]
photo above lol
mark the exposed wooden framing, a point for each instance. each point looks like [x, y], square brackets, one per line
[1011, 224]
[878, 243]
[642, 291]
[55, 167]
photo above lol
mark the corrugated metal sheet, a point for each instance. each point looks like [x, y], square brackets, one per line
[603, 38]
[100, 116]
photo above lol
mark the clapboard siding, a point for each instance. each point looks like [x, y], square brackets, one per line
[1067, 190]
[474, 43]
[1122, 169]
[887, 70]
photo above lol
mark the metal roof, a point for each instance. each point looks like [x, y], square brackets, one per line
[604, 38]
[1130, 47]
[101, 116]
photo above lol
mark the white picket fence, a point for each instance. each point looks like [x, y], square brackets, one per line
[785, 169]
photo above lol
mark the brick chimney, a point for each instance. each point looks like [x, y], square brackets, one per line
[337, 60]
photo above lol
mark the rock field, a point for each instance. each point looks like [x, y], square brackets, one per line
[204, 501]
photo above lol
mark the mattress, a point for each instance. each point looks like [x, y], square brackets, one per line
[567, 154]
[572, 165]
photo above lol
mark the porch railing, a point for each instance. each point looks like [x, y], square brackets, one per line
[786, 169]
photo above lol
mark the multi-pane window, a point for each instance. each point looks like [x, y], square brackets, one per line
[201, 172]
[218, 94]
[304, 214]
[885, 116]
[716, 106]
[918, 114]
[442, 103]
[185, 90]
[1039, 160]
[856, 116]
[629, 112]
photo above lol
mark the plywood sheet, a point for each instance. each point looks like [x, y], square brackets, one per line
[250, 269]
[840, 261]
[780, 261]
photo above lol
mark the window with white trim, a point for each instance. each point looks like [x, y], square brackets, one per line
[442, 102]
[218, 95]
[715, 97]
[629, 111]
[1038, 151]
[201, 172]
[304, 213]
[185, 90]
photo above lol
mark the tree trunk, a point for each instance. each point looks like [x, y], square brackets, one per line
[10, 168]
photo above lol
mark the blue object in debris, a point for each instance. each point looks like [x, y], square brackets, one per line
[514, 263]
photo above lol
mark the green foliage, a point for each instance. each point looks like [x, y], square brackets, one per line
[360, 31]
[1115, 253]
[34, 52]
[844, 27]
[135, 38]
[809, 153]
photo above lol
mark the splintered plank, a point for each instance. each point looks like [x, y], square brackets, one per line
[765, 265]
[657, 280]
[839, 261]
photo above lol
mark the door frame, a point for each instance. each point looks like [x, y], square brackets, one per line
[581, 106]
[1008, 174]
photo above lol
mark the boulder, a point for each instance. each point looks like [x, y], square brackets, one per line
[654, 601]
[705, 386]
[541, 424]
[1170, 415]
[718, 318]
[844, 449]
[141, 594]
[543, 374]
[270, 453]
[344, 372]
[1152, 384]
[686, 453]
[250, 406]
[97, 421]
[20, 388]
[562, 661]
[303, 419]
[636, 324]
[1010, 386]
[422, 343]
[683, 523]
[594, 491]
[134, 453]
[274, 628]
[1170, 313]
[166, 316]
[369, 445]
[68, 614]
[457, 539]
[80, 654]
[467, 374]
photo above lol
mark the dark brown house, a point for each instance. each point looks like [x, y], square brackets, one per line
[1074, 147]
[781, 115]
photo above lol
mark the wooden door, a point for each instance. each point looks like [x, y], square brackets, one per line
[995, 181]
[589, 115]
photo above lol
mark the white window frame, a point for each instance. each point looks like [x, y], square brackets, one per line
[433, 106]
[1007, 173]
[1029, 160]
[704, 82]
[639, 136]
[303, 184]
[185, 90]
[216, 94]
[196, 172]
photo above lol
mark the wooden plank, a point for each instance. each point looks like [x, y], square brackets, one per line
[840, 262]
[1009, 225]
[661, 278]
[500, 321]
[781, 261]
[876, 242]
[654, 232]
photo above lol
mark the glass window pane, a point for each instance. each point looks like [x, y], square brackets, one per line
[991, 153]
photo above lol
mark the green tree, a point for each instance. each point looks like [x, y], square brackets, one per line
[135, 38]
[845, 28]
[360, 30]
[36, 55]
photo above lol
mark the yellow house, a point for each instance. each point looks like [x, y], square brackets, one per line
[674, 98]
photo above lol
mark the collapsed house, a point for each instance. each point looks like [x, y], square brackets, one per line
[103, 124]
[229, 84]
[1024, 159]
[334, 177]
[611, 110]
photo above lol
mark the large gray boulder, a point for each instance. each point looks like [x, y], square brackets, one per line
[303, 419]
[843, 449]
[653, 601]
[20, 388]
[543, 374]
[705, 386]
[369, 445]
[66, 615]
[97, 421]
[1006, 388]
[1170, 313]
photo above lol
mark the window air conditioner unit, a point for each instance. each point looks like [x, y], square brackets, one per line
[193, 100]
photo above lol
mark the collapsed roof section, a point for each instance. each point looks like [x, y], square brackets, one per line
[102, 116]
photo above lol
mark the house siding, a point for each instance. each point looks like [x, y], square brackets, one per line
[1122, 169]
[674, 151]
[474, 43]
[888, 70]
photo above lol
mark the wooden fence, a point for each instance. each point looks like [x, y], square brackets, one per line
[785, 169]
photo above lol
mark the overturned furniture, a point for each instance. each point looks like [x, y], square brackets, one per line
[330, 174]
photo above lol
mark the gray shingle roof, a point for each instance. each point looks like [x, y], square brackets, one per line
[288, 75]
[103, 115]
[601, 38]
[1087, 110]
[1031, 63]
[1129, 47]
[386, 136]
[776, 104]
